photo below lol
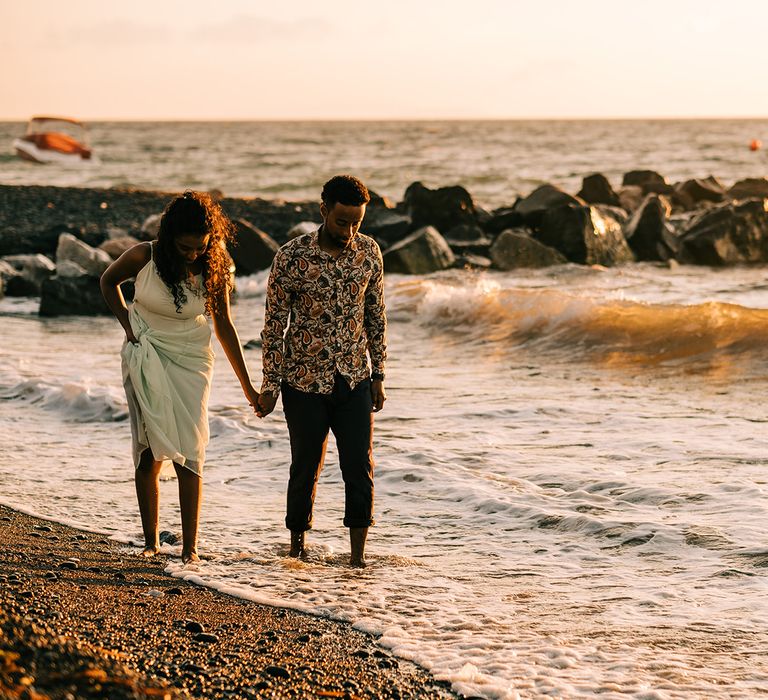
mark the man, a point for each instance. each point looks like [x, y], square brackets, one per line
[327, 286]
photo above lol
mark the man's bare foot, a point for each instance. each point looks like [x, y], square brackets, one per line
[150, 551]
[189, 557]
[357, 537]
[298, 551]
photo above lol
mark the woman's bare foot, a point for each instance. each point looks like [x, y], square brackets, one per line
[150, 551]
[189, 557]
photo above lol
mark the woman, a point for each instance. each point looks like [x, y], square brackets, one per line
[167, 357]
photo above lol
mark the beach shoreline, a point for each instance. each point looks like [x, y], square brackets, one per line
[83, 616]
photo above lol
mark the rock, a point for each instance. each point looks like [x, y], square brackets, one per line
[26, 241]
[78, 296]
[631, 197]
[422, 252]
[151, 226]
[648, 181]
[116, 232]
[168, 537]
[253, 344]
[751, 187]
[584, 235]
[595, 189]
[67, 268]
[468, 239]
[386, 226]
[542, 198]
[206, 637]
[31, 270]
[379, 201]
[515, 248]
[6, 272]
[92, 260]
[174, 591]
[648, 232]
[253, 249]
[731, 233]
[442, 208]
[502, 219]
[115, 247]
[194, 627]
[301, 228]
[277, 672]
[470, 261]
[68, 565]
[691, 192]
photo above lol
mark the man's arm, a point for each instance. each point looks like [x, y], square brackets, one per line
[276, 315]
[376, 330]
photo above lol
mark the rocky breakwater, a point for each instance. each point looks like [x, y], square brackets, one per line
[47, 233]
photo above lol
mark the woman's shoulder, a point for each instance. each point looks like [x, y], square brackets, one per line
[141, 253]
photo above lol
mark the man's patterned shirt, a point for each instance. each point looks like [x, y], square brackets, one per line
[334, 313]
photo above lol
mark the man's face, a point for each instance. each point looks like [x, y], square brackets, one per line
[342, 222]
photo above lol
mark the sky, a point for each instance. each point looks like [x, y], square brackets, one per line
[392, 59]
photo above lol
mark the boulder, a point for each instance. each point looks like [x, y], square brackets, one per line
[115, 247]
[151, 226]
[443, 208]
[595, 189]
[516, 248]
[543, 198]
[386, 225]
[648, 181]
[750, 188]
[731, 233]
[31, 271]
[631, 197]
[76, 296]
[584, 235]
[468, 239]
[301, 228]
[45, 241]
[422, 252]
[503, 219]
[6, 273]
[691, 192]
[649, 233]
[92, 260]
[379, 201]
[254, 250]
[68, 268]
[470, 261]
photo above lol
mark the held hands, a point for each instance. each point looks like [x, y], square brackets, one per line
[252, 395]
[266, 404]
[378, 396]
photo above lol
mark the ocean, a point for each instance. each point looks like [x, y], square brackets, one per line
[571, 490]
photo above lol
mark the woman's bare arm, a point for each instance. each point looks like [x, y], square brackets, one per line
[122, 269]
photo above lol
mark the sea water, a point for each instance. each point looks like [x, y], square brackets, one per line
[571, 487]
[570, 476]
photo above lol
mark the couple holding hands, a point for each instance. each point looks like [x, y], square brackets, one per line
[324, 317]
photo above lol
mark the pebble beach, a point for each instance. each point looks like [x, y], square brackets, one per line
[84, 617]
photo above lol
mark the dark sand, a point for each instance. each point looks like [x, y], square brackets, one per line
[83, 617]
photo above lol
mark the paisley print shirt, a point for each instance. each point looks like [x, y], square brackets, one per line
[334, 312]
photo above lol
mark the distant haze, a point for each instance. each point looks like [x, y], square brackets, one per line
[414, 59]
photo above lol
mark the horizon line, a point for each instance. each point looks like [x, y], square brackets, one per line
[402, 119]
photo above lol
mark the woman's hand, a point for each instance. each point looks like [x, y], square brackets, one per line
[252, 395]
[131, 338]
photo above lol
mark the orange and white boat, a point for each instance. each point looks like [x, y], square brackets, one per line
[54, 140]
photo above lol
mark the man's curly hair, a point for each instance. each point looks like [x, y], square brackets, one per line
[344, 189]
[195, 213]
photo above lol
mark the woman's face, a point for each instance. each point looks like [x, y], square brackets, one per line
[190, 246]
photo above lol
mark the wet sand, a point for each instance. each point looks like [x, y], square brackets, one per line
[84, 617]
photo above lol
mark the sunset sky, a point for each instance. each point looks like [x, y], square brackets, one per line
[337, 59]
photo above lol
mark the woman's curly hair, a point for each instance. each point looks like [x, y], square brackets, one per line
[195, 213]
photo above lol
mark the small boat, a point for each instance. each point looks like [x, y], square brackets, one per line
[54, 140]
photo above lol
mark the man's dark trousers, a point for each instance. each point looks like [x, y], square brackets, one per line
[348, 413]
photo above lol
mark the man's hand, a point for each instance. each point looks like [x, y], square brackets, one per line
[265, 404]
[377, 395]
